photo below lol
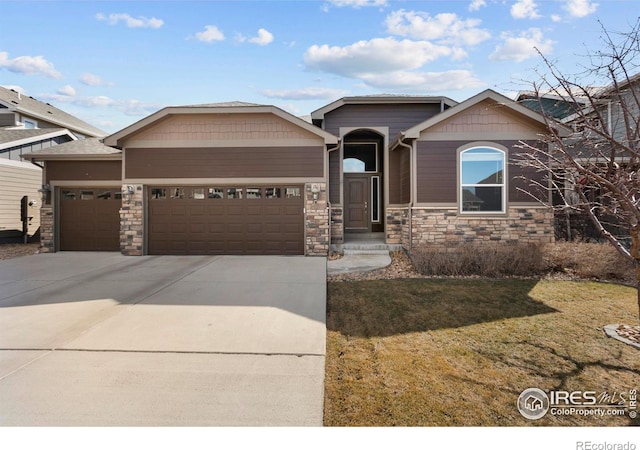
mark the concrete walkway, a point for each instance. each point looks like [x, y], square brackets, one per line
[103, 339]
[358, 263]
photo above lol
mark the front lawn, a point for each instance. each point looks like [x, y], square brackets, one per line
[458, 352]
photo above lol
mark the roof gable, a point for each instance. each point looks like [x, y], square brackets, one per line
[231, 124]
[487, 112]
[379, 100]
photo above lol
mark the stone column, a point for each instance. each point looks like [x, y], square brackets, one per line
[47, 242]
[132, 221]
[316, 220]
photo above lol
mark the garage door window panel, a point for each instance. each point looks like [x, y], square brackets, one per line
[234, 193]
[254, 193]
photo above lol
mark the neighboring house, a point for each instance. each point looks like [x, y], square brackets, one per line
[28, 125]
[597, 108]
[239, 178]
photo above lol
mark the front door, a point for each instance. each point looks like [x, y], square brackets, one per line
[356, 204]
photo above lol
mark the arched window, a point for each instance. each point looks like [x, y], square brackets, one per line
[482, 180]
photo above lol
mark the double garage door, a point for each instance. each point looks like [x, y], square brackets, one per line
[225, 220]
[203, 220]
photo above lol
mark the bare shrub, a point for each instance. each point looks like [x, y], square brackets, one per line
[588, 260]
[487, 259]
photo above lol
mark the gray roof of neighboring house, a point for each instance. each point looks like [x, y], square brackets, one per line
[29, 106]
[16, 136]
[82, 147]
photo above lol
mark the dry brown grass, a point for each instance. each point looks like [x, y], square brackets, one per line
[459, 352]
[8, 251]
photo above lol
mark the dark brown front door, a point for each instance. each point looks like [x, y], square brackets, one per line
[90, 219]
[226, 220]
[356, 204]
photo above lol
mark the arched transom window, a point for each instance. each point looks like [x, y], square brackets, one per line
[482, 176]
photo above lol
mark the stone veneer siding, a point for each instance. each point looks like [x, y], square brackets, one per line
[47, 243]
[447, 226]
[316, 221]
[337, 226]
[132, 222]
[397, 228]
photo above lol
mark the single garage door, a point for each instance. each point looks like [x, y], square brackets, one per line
[226, 220]
[90, 219]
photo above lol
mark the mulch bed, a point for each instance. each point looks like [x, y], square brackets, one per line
[8, 251]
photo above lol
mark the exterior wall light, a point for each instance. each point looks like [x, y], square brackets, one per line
[315, 190]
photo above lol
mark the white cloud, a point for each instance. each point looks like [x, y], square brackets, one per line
[424, 81]
[556, 18]
[580, 8]
[475, 5]
[357, 3]
[521, 47]
[29, 65]
[67, 90]
[129, 107]
[525, 9]
[264, 37]
[131, 22]
[374, 56]
[211, 33]
[312, 93]
[445, 27]
[93, 80]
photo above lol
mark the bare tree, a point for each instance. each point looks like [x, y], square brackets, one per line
[592, 157]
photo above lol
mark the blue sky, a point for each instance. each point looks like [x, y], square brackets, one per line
[112, 63]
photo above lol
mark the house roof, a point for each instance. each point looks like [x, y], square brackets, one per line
[117, 139]
[553, 106]
[10, 137]
[91, 148]
[414, 132]
[379, 99]
[32, 107]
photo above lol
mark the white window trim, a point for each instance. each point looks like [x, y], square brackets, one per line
[26, 119]
[375, 179]
[503, 185]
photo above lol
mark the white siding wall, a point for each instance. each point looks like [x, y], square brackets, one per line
[17, 179]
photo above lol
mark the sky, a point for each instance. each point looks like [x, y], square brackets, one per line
[112, 63]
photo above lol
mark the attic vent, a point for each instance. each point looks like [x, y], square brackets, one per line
[49, 112]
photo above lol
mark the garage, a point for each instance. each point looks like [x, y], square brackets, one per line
[226, 220]
[90, 219]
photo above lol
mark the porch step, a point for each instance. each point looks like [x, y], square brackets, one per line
[348, 251]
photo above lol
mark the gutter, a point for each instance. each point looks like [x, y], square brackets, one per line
[401, 143]
[329, 150]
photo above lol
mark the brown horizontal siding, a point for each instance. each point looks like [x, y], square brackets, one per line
[530, 177]
[405, 176]
[395, 175]
[334, 177]
[224, 162]
[83, 170]
[436, 166]
[437, 172]
[397, 117]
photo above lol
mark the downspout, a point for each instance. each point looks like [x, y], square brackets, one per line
[410, 215]
[329, 150]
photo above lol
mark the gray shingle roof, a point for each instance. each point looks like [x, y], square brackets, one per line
[89, 146]
[29, 106]
[8, 135]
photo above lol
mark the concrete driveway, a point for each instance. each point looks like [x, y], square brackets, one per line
[105, 339]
